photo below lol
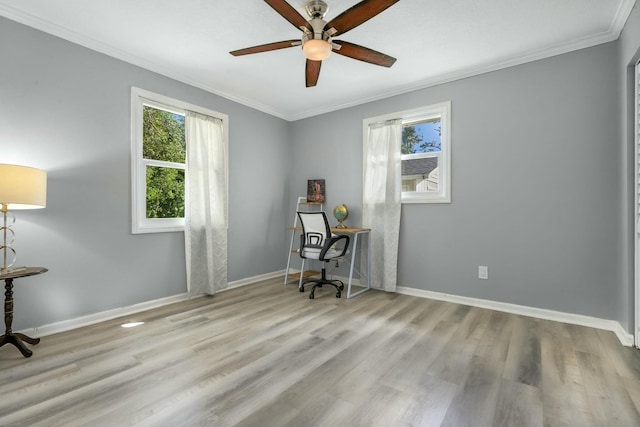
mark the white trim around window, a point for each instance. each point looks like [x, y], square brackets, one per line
[416, 115]
[636, 234]
[139, 98]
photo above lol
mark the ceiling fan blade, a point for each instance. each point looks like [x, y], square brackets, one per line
[312, 72]
[356, 15]
[365, 54]
[266, 47]
[289, 13]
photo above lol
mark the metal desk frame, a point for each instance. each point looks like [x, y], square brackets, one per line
[357, 232]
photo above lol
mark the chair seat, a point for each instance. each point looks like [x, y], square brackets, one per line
[313, 253]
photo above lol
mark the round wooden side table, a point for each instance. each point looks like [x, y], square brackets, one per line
[9, 337]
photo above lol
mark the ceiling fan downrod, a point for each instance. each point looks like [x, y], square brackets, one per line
[316, 8]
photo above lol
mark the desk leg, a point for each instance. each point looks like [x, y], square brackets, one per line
[9, 337]
[353, 259]
[369, 261]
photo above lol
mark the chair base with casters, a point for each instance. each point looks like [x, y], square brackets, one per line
[318, 283]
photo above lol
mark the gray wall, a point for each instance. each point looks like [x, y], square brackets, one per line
[66, 109]
[535, 190]
[542, 182]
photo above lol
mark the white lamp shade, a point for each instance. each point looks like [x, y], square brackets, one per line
[22, 187]
[316, 50]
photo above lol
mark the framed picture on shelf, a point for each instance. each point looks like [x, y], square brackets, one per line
[315, 191]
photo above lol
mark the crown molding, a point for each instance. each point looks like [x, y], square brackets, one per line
[612, 34]
[98, 46]
[605, 37]
[616, 27]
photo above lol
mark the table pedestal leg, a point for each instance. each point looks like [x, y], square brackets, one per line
[9, 337]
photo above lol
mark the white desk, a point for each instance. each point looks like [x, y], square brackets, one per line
[356, 235]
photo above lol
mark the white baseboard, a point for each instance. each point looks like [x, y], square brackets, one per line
[91, 319]
[254, 279]
[624, 337]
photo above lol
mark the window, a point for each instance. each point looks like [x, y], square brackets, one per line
[158, 158]
[163, 153]
[421, 150]
[425, 152]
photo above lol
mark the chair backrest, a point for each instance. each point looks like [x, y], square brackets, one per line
[315, 228]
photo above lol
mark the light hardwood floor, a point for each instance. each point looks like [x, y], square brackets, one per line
[266, 355]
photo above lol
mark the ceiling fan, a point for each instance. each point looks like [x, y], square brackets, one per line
[317, 35]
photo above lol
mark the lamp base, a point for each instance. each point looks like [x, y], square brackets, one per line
[8, 237]
[10, 270]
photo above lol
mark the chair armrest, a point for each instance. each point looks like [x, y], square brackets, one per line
[330, 242]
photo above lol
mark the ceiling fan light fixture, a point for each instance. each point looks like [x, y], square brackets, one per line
[316, 49]
[317, 34]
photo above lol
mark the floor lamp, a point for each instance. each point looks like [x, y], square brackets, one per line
[21, 187]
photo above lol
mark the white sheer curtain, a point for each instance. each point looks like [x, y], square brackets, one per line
[205, 231]
[382, 200]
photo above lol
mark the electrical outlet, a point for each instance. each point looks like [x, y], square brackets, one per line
[483, 272]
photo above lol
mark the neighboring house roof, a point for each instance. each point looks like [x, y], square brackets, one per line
[419, 166]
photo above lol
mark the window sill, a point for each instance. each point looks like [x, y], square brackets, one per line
[414, 198]
[158, 226]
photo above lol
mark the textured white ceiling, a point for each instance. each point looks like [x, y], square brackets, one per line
[434, 42]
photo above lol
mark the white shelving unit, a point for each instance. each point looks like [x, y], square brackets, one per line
[293, 246]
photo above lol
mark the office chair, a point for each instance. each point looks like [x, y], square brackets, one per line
[317, 242]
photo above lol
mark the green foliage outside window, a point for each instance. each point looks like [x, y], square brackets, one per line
[165, 192]
[164, 140]
[163, 136]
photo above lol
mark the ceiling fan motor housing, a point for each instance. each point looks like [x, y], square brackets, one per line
[318, 31]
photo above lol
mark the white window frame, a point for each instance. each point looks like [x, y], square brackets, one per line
[421, 114]
[139, 98]
[636, 234]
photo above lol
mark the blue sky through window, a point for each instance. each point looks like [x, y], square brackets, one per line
[179, 118]
[430, 132]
